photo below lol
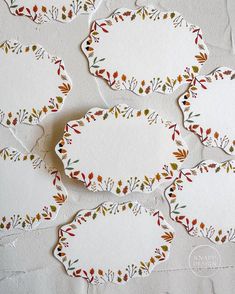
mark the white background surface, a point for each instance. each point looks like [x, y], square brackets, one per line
[27, 265]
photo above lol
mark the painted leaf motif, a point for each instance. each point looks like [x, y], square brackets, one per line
[181, 196]
[115, 181]
[50, 12]
[181, 154]
[71, 234]
[127, 76]
[198, 119]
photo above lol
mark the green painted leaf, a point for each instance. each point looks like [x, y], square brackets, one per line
[146, 111]
[59, 99]
[141, 90]
[195, 69]
[53, 208]
[174, 166]
[164, 248]
[118, 190]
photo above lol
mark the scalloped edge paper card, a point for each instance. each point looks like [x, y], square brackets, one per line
[202, 199]
[145, 50]
[121, 150]
[140, 240]
[46, 11]
[208, 107]
[33, 83]
[30, 193]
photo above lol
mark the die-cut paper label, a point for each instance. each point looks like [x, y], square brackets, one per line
[33, 83]
[28, 201]
[121, 150]
[145, 50]
[208, 107]
[45, 11]
[114, 243]
[202, 199]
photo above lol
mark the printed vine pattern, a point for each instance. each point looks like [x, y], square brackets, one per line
[208, 136]
[121, 187]
[119, 80]
[197, 227]
[57, 12]
[98, 275]
[34, 116]
[48, 212]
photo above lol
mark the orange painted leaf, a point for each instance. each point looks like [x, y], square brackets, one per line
[65, 88]
[181, 154]
[202, 57]
[60, 198]
[168, 237]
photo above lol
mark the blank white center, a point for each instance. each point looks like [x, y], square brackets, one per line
[216, 107]
[147, 49]
[114, 241]
[26, 82]
[210, 198]
[121, 148]
[23, 189]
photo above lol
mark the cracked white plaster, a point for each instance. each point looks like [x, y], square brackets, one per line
[28, 136]
[108, 4]
[7, 139]
[146, 3]
[8, 241]
[230, 27]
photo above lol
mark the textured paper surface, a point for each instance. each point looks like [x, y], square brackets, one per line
[135, 50]
[38, 199]
[122, 150]
[45, 11]
[202, 200]
[33, 83]
[204, 105]
[87, 249]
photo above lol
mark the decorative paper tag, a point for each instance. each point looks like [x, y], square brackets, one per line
[208, 102]
[145, 50]
[33, 83]
[114, 243]
[30, 192]
[45, 11]
[121, 150]
[202, 199]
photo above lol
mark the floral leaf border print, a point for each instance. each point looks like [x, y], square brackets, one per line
[104, 211]
[195, 226]
[118, 80]
[51, 12]
[121, 186]
[48, 212]
[208, 136]
[55, 101]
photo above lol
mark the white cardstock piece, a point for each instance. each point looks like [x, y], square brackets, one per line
[27, 201]
[202, 199]
[121, 150]
[33, 83]
[209, 109]
[42, 11]
[145, 50]
[114, 243]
